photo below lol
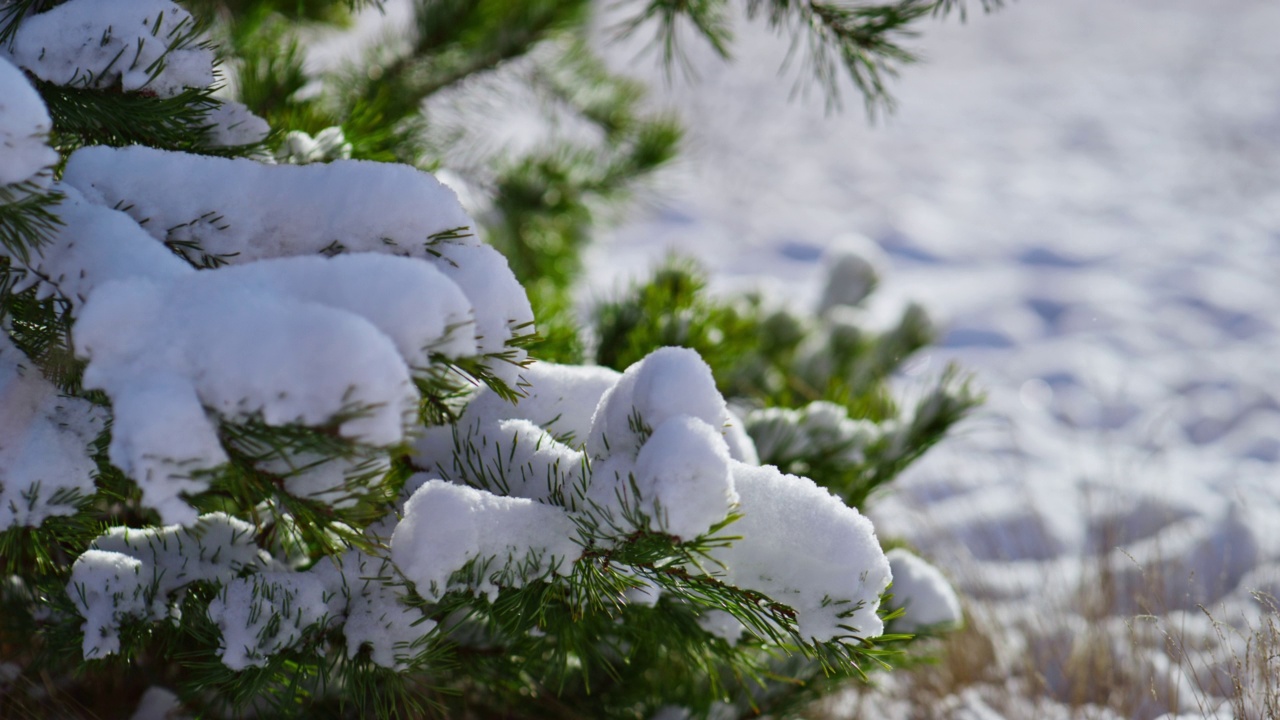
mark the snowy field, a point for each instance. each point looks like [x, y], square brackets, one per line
[1086, 195]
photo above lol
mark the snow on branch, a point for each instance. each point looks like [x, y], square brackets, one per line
[657, 460]
[130, 573]
[45, 466]
[233, 211]
[140, 45]
[311, 340]
[24, 128]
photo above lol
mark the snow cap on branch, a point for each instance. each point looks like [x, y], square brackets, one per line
[237, 211]
[264, 613]
[668, 382]
[659, 432]
[921, 589]
[139, 44]
[805, 548]
[512, 541]
[371, 608]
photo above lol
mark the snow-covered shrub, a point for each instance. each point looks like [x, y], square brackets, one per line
[811, 389]
[271, 436]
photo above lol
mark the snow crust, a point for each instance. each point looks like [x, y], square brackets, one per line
[24, 125]
[139, 45]
[45, 465]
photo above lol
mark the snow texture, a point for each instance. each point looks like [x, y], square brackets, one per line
[528, 449]
[561, 399]
[216, 547]
[508, 541]
[24, 127]
[667, 383]
[929, 600]
[803, 547]
[373, 613]
[138, 45]
[264, 613]
[290, 340]
[510, 457]
[130, 573]
[45, 463]
[657, 447]
[107, 588]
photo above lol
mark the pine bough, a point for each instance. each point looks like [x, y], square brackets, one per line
[235, 424]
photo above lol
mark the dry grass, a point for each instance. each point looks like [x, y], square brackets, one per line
[1119, 652]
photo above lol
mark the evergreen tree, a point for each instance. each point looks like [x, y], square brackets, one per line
[272, 441]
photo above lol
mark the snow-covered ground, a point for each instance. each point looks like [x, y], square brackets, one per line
[1086, 194]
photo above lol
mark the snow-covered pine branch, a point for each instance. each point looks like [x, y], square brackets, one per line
[236, 423]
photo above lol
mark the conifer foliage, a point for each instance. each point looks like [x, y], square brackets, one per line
[279, 435]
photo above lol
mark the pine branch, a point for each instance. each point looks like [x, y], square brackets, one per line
[27, 218]
[710, 18]
[83, 116]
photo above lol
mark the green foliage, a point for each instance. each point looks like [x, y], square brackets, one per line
[864, 40]
[824, 370]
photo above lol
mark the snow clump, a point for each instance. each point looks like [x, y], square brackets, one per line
[283, 340]
[929, 600]
[24, 125]
[130, 573]
[265, 613]
[513, 540]
[45, 464]
[657, 446]
[372, 611]
[805, 548]
[241, 211]
[139, 45]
